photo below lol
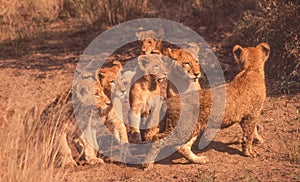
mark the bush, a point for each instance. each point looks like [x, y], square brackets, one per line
[275, 22]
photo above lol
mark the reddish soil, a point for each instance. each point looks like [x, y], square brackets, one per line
[35, 71]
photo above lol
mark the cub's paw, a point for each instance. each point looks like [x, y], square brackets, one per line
[200, 160]
[135, 137]
[258, 140]
[147, 166]
[69, 164]
[95, 161]
[250, 153]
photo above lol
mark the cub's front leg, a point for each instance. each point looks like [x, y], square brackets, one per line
[154, 118]
[134, 117]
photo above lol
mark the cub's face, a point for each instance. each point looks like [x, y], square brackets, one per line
[102, 102]
[251, 57]
[187, 61]
[112, 81]
[91, 93]
[151, 46]
[151, 41]
[118, 86]
[153, 64]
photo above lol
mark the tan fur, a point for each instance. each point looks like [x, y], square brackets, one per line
[151, 41]
[111, 80]
[85, 139]
[185, 71]
[61, 110]
[245, 96]
[144, 96]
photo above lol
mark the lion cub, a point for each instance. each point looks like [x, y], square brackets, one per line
[185, 71]
[60, 116]
[110, 79]
[245, 96]
[91, 102]
[144, 96]
[151, 41]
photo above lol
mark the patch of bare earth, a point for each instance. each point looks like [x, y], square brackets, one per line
[279, 158]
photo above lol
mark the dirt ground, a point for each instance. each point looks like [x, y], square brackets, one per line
[33, 73]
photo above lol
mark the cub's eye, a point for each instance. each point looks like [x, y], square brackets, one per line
[156, 66]
[197, 62]
[187, 63]
[112, 82]
[97, 95]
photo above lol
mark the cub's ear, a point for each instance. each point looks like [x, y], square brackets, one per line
[194, 48]
[83, 90]
[174, 54]
[99, 75]
[266, 50]
[237, 52]
[160, 33]
[139, 35]
[117, 65]
[142, 62]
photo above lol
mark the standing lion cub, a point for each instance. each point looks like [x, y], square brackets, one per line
[144, 96]
[245, 96]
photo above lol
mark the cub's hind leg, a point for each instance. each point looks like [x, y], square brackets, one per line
[248, 125]
[186, 151]
[257, 138]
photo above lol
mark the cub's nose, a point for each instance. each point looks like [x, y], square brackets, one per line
[197, 74]
[108, 103]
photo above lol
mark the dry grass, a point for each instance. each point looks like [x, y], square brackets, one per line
[20, 19]
[28, 150]
[118, 11]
